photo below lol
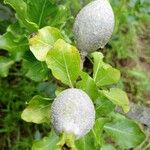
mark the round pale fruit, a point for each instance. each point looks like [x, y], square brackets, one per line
[73, 112]
[93, 26]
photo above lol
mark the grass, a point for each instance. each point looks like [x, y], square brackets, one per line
[15, 91]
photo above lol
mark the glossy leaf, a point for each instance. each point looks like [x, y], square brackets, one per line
[34, 69]
[64, 61]
[126, 133]
[37, 111]
[103, 73]
[88, 85]
[5, 64]
[47, 143]
[118, 97]
[43, 41]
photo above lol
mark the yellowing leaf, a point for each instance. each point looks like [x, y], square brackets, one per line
[41, 43]
[64, 61]
[37, 111]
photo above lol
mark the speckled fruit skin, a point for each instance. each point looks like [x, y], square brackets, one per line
[72, 112]
[93, 26]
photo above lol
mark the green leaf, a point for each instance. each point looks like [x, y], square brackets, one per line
[6, 17]
[41, 12]
[37, 111]
[86, 143]
[126, 133]
[41, 43]
[60, 16]
[34, 69]
[21, 9]
[16, 30]
[118, 97]
[47, 143]
[64, 61]
[103, 107]
[107, 147]
[5, 64]
[104, 74]
[34, 15]
[107, 75]
[48, 88]
[98, 62]
[98, 129]
[9, 42]
[93, 139]
[88, 85]
[14, 41]
[59, 90]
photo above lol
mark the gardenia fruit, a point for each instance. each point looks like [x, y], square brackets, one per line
[94, 25]
[73, 112]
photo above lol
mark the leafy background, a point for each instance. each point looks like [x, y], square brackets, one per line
[128, 51]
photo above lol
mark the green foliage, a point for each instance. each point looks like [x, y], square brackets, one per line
[47, 143]
[107, 147]
[118, 97]
[65, 64]
[104, 106]
[34, 69]
[21, 9]
[37, 111]
[14, 41]
[88, 85]
[14, 91]
[87, 142]
[6, 17]
[68, 140]
[126, 133]
[104, 74]
[5, 64]
[94, 139]
[64, 61]
[44, 41]
[40, 12]
[98, 130]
